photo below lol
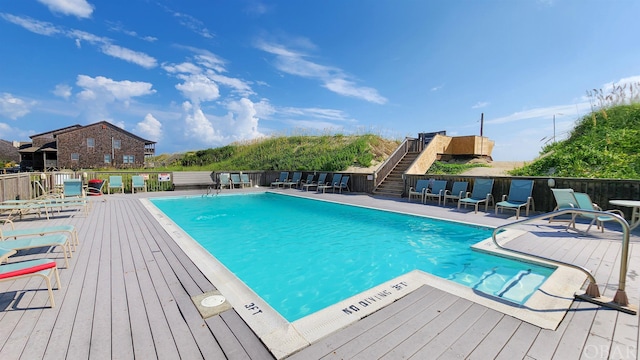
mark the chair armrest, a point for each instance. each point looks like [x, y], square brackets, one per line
[8, 221]
[504, 197]
[447, 192]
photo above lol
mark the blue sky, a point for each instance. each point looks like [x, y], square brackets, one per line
[199, 74]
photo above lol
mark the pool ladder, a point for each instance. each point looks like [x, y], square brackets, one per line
[210, 190]
[620, 301]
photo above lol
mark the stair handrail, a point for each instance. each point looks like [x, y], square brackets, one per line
[592, 293]
[390, 163]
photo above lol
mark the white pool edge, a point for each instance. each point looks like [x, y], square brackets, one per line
[545, 308]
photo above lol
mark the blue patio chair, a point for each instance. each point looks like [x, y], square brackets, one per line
[568, 199]
[321, 181]
[225, 180]
[437, 190]
[284, 176]
[519, 197]
[343, 184]
[458, 191]
[481, 193]
[335, 181]
[295, 180]
[138, 182]
[244, 180]
[115, 182]
[419, 190]
[72, 188]
[235, 181]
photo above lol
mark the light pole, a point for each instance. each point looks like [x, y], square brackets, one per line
[554, 126]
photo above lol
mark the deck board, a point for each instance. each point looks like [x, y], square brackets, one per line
[127, 294]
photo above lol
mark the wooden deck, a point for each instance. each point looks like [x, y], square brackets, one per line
[127, 294]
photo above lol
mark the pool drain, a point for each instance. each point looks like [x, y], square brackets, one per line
[213, 301]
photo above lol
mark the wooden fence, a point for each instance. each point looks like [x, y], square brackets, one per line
[23, 185]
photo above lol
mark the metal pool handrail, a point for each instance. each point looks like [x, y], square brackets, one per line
[620, 300]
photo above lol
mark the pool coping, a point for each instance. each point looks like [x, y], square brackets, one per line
[545, 308]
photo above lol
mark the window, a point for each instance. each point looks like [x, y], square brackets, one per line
[116, 144]
[75, 157]
[127, 159]
[91, 142]
[107, 159]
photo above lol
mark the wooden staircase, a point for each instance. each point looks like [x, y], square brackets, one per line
[393, 185]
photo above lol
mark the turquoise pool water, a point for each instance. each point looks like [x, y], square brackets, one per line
[302, 255]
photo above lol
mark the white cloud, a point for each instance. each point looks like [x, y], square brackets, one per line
[193, 24]
[480, 104]
[244, 125]
[198, 88]
[131, 56]
[35, 26]
[13, 107]
[185, 67]
[198, 127]
[105, 45]
[116, 90]
[150, 128]
[78, 8]
[332, 78]
[63, 91]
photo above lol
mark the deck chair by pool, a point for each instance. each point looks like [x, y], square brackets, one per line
[295, 180]
[519, 197]
[321, 181]
[481, 193]
[343, 184]
[235, 181]
[584, 202]
[13, 233]
[244, 180]
[419, 190]
[458, 191]
[51, 241]
[72, 188]
[336, 180]
[138, 182]
[437, 190]
[19, 208]
[115, 182]
[308, 180]
[44, 268]
[284, 176]
[225, 180]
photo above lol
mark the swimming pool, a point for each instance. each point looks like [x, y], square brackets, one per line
[302, 255]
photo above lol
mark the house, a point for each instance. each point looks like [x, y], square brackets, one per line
[97, 145]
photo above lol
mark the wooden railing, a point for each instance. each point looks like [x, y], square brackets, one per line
[15, 187]
[409, 144]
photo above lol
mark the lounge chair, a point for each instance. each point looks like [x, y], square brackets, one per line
[481, 193]
[44, 268]
[309, 180]
[568, 199]
[50, 241]
[321, 181]
[244, 180]
[419, 190]
[344, 184]
[335, 181]
[138, 182]
[284, 176]
[18, 208]
[519, 197]
[14, 233]
[295, 180]
[437, 190]
[458, 191]
[115, 182]
[72, 188]
[235, 180]
[225, 180]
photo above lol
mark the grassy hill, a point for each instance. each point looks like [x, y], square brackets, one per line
[305, 153]
[603, 144]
